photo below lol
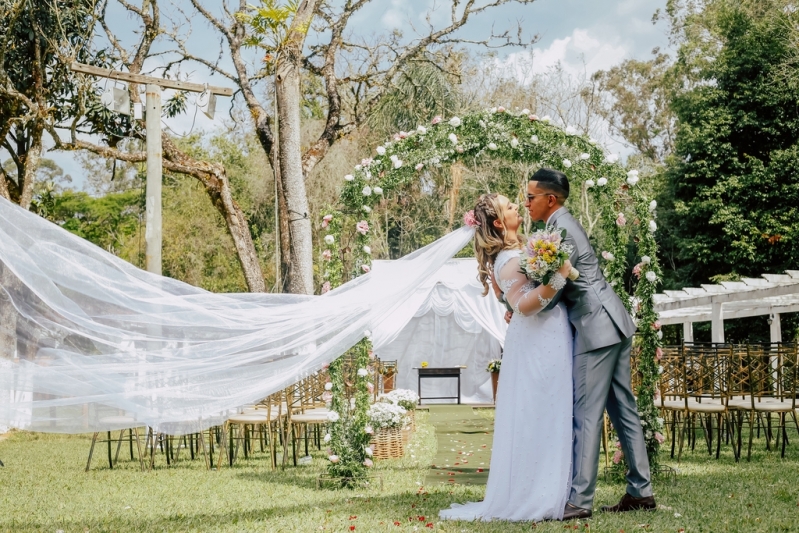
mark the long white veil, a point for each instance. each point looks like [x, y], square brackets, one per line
[86, 336]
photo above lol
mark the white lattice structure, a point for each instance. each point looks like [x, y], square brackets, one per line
[771, 294]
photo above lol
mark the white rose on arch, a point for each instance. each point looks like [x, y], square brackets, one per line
[381, 150]
[349, 177]
[534, 139]
[652, 206]
[602, 182]
[397, 163]
[514, 142]
[651, 277]
[611, 158]
[421, 130]
[653, 227]
[377, 190]
[453, 138]
[329, 239]
[646, 260]
[367, 250]
[333, 416]
[362, 372]
[366, 209]
[567, 163]
[454, 122]
[589, 184]
[367, 191]
[632, 177]
[584, 156]
[492, 146]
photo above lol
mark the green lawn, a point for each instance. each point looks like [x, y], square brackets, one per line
[43, 488]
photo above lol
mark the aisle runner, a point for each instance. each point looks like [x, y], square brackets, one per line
[464, 445]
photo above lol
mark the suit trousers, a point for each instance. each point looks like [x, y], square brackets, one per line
[602, 380]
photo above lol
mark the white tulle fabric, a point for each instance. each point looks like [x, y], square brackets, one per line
[89, 342]
[530, 474]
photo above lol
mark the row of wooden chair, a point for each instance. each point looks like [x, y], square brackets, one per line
[732, 385]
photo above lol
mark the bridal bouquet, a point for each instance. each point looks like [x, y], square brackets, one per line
[545, 254]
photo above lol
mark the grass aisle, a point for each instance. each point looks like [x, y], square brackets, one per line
[464, 446]
[44, 488]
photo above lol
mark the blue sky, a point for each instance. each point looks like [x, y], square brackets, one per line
[583, 35]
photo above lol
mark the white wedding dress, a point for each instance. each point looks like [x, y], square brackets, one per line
[530, 473]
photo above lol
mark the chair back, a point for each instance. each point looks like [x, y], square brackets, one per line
[671, 382]
[706, 371]
[772, 371]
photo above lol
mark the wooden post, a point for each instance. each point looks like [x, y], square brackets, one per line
[687, 332]
[717, 323]
[152, 235]
[775, 328]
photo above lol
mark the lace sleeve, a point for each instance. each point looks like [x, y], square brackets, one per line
[521, 293]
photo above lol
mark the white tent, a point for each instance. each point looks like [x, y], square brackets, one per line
[447, 323]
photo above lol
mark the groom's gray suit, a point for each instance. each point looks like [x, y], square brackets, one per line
[603, 333]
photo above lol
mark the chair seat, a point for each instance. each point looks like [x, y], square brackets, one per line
[773, 406]
[248, 419]
[708, 405]
[310, 418]
[673, 405]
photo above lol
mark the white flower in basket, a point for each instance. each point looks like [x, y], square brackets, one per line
[405, 398]
[385, 415]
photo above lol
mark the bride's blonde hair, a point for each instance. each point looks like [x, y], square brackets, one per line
[488, 239]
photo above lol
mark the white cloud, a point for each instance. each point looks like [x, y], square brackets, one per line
[578, 53]
[393, 19]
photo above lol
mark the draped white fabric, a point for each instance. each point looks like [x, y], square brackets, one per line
[447, 322]
[85, 337]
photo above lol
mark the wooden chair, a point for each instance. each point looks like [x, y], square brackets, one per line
[132, 435]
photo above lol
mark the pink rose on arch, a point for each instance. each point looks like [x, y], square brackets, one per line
[370, 387]
[327, 255]
[637, 270]
[396, 137]
[436, 119]
[368, 463]
[659, 353]
[362, 227]
[366, 162]
[366, 269]
[621, 220]
[533, 117]
[403, 135]
[656, 325]
[327, 396]
[500, 109]
[617, 457]
[419, 166]
[607, 255]
[657, 394]
[659, 437]
[618, 445]
[325, 287]
[326, 220]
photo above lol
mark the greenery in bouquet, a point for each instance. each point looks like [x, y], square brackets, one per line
[405, 398]
[493, 365]
[386, 415]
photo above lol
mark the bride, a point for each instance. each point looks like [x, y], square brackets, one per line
[530, 474]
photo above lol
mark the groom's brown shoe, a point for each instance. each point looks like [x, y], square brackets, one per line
[571, 512]
[631, 503]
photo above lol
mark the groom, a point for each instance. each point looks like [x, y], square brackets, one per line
[603, 333]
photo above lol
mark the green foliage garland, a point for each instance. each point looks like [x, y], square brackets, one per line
[519, 137]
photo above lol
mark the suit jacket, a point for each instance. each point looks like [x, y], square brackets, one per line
[595, 311]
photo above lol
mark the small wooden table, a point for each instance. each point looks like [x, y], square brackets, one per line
[445, 372]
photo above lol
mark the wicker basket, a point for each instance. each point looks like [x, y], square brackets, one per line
[387, 443]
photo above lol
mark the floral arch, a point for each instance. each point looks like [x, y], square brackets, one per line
[620, 206]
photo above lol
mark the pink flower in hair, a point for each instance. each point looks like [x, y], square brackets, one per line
[470, 220]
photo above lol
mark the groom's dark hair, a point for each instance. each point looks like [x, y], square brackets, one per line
[552, 181]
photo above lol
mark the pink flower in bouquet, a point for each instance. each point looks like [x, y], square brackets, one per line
[436, 119]
[470, 220]
[659, 353]
[366, 269]
[617, 457]
[325, 287]
[637, 270]
[362, 227]
[368, 463]
[656, 325]
[621, 220]
[327, 255]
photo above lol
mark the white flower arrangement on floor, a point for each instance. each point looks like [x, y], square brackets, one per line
[405, 398]
[386, 415]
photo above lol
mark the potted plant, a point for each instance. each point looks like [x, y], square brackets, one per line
[493, 369]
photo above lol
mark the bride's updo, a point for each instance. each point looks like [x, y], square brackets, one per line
[488, 239]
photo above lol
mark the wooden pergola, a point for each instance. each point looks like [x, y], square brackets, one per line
[770, 294]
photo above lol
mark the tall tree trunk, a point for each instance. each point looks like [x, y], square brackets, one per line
[289, 102]
[30, 162]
